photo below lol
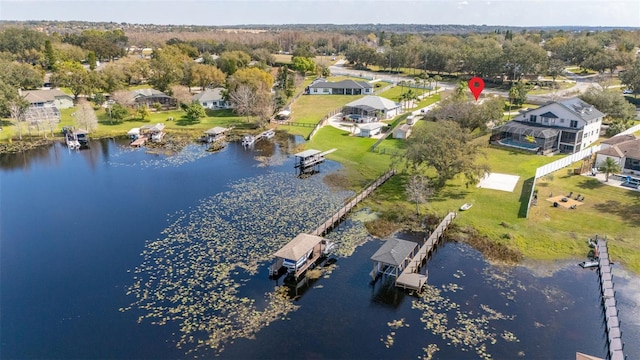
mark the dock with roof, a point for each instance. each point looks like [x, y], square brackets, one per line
[399, 258]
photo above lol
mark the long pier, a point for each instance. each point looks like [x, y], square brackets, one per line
[336, 218]
[410, 278]
[609, 305]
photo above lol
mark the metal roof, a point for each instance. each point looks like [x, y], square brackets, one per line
[375, 102]
[581, 109]
[516, 127]
[394, 251]
[215, 130]
[298, 247]
[343, 84]
[307, 153]
[209, 95]
[371, 126]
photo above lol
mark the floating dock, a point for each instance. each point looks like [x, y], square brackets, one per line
[410, 278]
[609, 305]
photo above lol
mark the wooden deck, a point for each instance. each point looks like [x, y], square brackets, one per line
[331, 222]
[139, 141]
[611, 319]
[410, 278]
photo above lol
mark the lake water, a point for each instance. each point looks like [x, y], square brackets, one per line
[116, 253]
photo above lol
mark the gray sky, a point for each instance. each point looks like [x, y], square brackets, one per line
[225, 12]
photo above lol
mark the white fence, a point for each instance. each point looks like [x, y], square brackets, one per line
[566, 161]
[630, 130]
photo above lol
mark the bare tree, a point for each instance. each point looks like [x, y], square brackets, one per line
[122, 97]
[17, 108]
[182, 94]
[418, 190]
[243, 99]
[85, 117]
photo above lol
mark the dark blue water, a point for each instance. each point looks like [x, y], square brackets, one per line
[74, 225]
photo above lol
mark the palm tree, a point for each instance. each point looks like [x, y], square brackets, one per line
[427, 80]
[436, 79]
[418, 82]
[609, 166]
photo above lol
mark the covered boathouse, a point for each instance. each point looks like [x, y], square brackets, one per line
[299, 254]
[393, 257]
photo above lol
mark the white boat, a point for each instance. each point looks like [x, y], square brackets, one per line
[589, 264]
[466, 207]
[248, 140]
[268, 134]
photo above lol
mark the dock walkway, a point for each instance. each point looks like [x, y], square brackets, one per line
[611, 319]
[410, 278]
[331, 222]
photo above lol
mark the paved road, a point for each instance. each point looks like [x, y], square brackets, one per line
[582, 83]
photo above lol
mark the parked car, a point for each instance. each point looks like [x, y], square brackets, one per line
[627, 91]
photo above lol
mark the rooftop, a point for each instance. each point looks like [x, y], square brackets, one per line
[307, 153]
[298, 247]
[343, 84]
[215, 130]
[375, 102]
[394, 251]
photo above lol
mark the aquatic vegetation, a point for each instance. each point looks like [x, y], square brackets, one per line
[348, 235]
[393, 325]
[193, 275]
[188, 154]
[469, 330]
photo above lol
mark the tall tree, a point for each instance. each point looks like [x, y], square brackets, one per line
[206, 76]
[447, 148]
[166, 67]
[631, 77]
[49, 54]
[17, 107]
[73, 76]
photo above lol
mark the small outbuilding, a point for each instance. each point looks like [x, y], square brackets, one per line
[402, 132]
[370, 129]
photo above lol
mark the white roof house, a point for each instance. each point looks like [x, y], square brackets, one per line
[374, 106]
[344, 87]
[212, 99]
[565, 126]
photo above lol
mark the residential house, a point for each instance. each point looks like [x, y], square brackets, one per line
[402, 131]
[212, 99]
[373, 106]
[48, 98]
[564, 126]
[344, 87]
[624, 149]
[150, 97]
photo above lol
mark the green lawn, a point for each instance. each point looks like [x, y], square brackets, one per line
[549, 233]
[361, 165]
[310, 109]
[546, 90]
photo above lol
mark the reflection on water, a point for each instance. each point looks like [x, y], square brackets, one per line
[190, 238]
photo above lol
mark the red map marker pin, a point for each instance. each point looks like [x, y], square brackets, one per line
[476, 85]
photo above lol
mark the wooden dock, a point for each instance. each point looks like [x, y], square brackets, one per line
[410, 278]
[312, 245]
[139, 141]
[334, 220]
[609, 305]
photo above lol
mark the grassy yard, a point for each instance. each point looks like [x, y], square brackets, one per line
[549, 233]
[360, 165]
[310, 109]
[546, 90]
